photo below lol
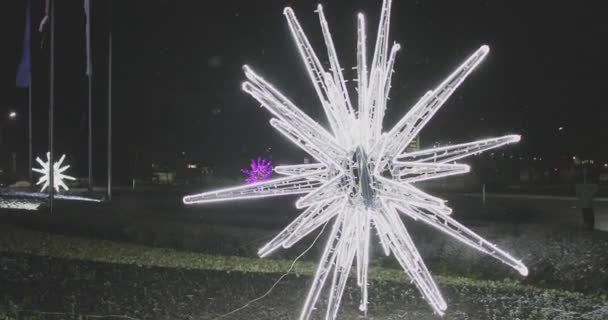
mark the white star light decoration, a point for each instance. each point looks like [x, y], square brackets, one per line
[363, 180]
[58, 176]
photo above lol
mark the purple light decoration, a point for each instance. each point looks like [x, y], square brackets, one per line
[261, 169]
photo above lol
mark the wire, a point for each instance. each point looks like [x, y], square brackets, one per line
[278, 280]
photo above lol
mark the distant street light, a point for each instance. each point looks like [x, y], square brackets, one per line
[12, 115]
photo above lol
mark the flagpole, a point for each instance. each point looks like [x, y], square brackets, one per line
[30, 102]
[90, 74]
[29, 130]
[51, 106]
[29, 110]
[110, 106]
[24, 79]
[90, 132]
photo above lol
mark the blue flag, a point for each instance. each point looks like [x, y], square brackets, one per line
[25, 64]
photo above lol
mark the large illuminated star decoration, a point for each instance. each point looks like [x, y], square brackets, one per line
[58, 173]
[364, 180]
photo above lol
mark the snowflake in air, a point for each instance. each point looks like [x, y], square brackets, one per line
[260, 170]
[58, 173]
[364, 180]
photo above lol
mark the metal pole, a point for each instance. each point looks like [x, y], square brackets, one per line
[29, 113]
[90, 122]
[29, 130]
[110, 107]
[90, 136]
[135, 170]
[14, 162]
[51, 106]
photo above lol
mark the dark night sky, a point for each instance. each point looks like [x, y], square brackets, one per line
[177, 63]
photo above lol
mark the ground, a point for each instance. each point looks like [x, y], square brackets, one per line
[150, 258]
[49, 288]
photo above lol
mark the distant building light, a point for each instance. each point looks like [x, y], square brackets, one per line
[560, 128]
[192, 166]
[12, 115]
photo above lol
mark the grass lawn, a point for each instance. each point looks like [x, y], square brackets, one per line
[190, 285]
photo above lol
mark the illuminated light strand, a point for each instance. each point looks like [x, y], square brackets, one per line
[58, 173]
[415, 172]
[45, 195]
[363, 180]
[316, 72]
[292, 170]
[345, 106]
[313, 212]
[408, 257]
[458, 151]
[275, 187]
[19, 204]
[460, 232]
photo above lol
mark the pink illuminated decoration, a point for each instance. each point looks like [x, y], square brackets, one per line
[260, 170]
[364, 180]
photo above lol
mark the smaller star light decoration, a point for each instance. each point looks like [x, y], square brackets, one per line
[58, 173]
[260, 170]
[364, 180]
